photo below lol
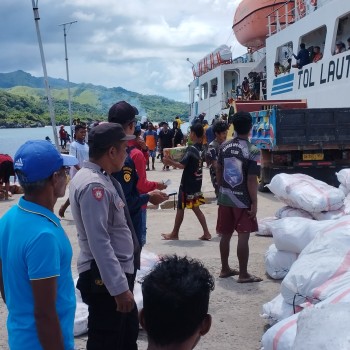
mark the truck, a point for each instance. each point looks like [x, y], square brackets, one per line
[312, 141]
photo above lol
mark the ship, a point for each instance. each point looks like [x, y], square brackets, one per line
[272, 31]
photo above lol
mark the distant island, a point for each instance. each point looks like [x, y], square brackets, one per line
[23, 102]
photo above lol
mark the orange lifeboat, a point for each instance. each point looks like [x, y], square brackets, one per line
[250, 21]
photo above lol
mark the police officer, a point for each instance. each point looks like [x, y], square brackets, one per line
[125, 114]
[109, 249]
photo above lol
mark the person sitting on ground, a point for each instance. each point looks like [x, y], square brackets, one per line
[339, 47]
[278, 68]
[6, 171]
[190, 195]
[175, 304]
[303, 57]
[317, 54]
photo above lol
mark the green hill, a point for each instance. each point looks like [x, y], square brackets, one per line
[23, 101]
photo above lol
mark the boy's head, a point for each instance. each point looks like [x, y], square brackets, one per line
[196, 132]
[242, 122]
[220, 128]
[175, 302]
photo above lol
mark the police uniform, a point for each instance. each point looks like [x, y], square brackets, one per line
[128, 179]
[108, 258]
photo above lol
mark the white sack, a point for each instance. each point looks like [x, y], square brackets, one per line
[304, 192]
[277, 310]
[282, 334]
[81, 314]
[322, 268]
[344, 189]
[324, 328]
[343, 177]
[347, 205]
[278, 262]
[294, 234]
[264, 229]
[148, 261]
[287, 212]
[329, 215]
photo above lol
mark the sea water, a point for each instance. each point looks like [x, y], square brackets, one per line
[12, 139]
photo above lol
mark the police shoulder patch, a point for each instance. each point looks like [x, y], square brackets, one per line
[98, 193]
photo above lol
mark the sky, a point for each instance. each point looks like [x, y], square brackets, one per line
[140, 45]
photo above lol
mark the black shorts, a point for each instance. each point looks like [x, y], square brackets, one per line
[189, 201]
[6, 170]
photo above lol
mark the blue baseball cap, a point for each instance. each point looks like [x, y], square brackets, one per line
[38, 160]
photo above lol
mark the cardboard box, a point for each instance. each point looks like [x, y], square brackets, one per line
[175, 153]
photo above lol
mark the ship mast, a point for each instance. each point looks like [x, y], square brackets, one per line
[47, 87]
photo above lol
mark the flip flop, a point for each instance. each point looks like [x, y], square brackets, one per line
[233, 272]
[203, 238]
[250, 279]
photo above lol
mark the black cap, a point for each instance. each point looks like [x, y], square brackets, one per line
[122, 113]
[105, 135]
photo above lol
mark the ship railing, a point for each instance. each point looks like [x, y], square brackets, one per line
[288, 13]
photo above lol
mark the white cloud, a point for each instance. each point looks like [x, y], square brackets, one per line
[139, 45]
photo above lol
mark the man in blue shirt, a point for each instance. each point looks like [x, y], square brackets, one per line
[303, 57]
[35, 254]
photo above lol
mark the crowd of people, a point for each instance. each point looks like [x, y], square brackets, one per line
[108, 194]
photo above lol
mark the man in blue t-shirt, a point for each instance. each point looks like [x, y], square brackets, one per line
[35, 254]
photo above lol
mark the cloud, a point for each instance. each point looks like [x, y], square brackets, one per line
[139, 45]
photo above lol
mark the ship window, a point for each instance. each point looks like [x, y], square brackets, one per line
[283, 53]
[213, 87]
[204, 91]
[314, 41]
[341, 43]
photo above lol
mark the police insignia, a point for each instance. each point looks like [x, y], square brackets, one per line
[98, 193]
[127, 177]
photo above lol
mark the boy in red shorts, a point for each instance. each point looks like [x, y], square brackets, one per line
[190, 195]
[237, 172]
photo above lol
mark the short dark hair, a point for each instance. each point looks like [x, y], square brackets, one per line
[242, 122]
[197, 128]
[220, 126]
[175, 299]
[78, 127]
[302, 46]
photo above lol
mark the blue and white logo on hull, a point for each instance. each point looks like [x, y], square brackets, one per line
[283, 84]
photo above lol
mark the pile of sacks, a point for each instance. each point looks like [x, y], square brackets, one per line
[313, 257]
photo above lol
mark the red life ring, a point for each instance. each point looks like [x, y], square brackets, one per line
[313, 3]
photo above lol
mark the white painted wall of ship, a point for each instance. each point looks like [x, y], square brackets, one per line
[324, 84]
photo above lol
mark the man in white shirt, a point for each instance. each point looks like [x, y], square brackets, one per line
[80, 150]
